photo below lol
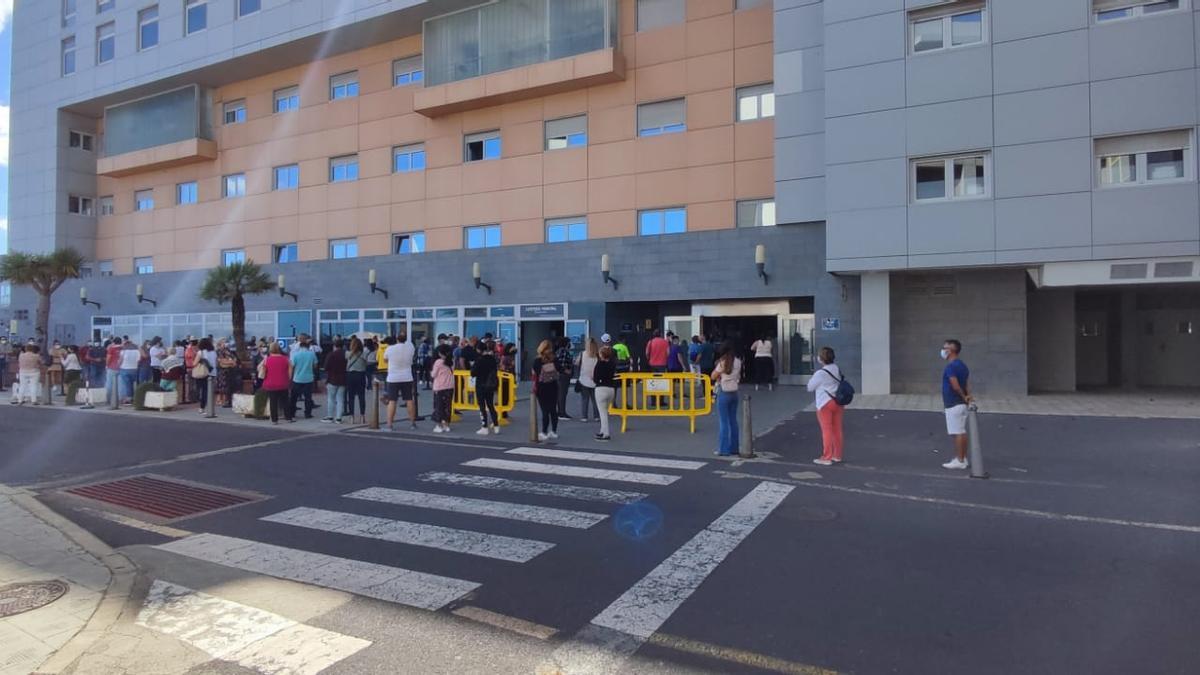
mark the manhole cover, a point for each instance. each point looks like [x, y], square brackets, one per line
[809, 513]
[162, 498]
[17, 598]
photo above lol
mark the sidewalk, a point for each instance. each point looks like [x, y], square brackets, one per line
[1170, 404]
[33, 550]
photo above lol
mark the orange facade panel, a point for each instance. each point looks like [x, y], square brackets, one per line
[159, 157]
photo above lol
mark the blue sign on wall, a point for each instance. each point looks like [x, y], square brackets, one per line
[831, 323]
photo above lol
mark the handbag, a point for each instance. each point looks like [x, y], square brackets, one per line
[200, 370]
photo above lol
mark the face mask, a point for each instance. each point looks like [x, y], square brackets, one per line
[945, 353]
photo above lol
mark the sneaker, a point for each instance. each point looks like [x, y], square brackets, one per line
[326, 419]
[565, 416]
[439, 430]
[543, 438]
[822, 461]
[955, 464]
[495, 430]
[553, 435]
[837, 460]
[413, 426]
[483, 431]
[603, 438]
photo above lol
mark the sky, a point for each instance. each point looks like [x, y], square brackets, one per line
[6, 8]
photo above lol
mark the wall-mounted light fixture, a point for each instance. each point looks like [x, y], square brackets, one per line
[606, 269]
[12, 327]
[371, 279]
[283, 292]
[477, 274]
[141, 298]
[83, 298]
[760, 261]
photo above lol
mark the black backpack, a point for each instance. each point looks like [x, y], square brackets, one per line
[845, 391]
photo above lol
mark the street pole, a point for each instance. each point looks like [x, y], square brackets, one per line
[975, 452]
[746, 443]
[47, 393]
[210, 405]
[373, 409]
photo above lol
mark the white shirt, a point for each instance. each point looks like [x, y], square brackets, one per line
[728, 382]
[587, 367]
[762, 348]
[71, 362]
[825, 384]
[400, 360]
[129, 359]
[156, 355]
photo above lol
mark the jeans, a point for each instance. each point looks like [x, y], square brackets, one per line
[547, 396]
[29, 386]
[356, 388]
[588, 397]
[727, 412]
[604, 397]
[486, 398]
[128, 380]
[277, 399]
[305, 390]
[3, 368]
[335, 400]
[201, 391]
[111, 376]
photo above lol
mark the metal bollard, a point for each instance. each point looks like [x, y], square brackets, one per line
[975, 447]
[47, 390]
[533, 415]
[373, 408]
[210, 405]
[746, 442]
[114, 394]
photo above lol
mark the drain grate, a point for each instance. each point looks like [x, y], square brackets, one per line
[23, 597]
[166, 499]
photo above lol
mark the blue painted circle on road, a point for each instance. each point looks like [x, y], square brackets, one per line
[638, 521]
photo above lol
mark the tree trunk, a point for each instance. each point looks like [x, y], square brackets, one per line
[238, 305]
[42, 325]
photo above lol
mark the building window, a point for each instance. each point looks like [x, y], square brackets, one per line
[187, 193]
[756, 213]
[1144, 158]
[344, 168]
[232, 256]
[481, 146]
[413, 242]
[408, 158]
[195, 16]
[80, 205]
[287, 99]
[343, 86]
[106, 42]
[481, 236]
[1110, 10]
[85, 271]
[68, 13]
[233, 185]
[566, 229]
[662, 221]
[747, 4]
[341, 249]
[143, 200]
[105, 5]
[663, 117]
[142, 266]
[284, 253]
[247, 7]
[653, 14]
[106, 205]
[105, 268]
[148, 27]
[5, 297]
[755, 103]
[287, 177]
[235, 112]
[569, 132]
[407, 71]
[961, 177]
[81, 140]
[956, 24]
[68, 55]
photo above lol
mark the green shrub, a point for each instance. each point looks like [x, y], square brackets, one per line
[139, 394]
[260, 404]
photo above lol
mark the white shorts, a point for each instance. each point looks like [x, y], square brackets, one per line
[956, 420]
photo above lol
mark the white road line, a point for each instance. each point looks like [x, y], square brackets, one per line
[544, 515]
[253, 638]
[573, 471]
[391, 584]
[415, 534]
[590, 494]
[632, 460]
[618, 631]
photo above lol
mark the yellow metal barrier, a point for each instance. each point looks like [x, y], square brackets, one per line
[662, 395]
[464, 395]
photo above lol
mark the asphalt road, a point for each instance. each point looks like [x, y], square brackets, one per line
[1077, 556]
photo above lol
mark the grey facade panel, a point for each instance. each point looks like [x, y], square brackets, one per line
[799, 28]
[799, 114]
[1051, 221]
[936, 260]
[951, 75]
[800, 157]
[844, 11]
[1033, 256]
[1017, 19]
[1051, 167]
[867, 185]
[1152, 44]
[1175, 248]
[865, 137]
[1149, 103]
[1042, 115]
[1146, 214]
[800, 201]
[949, 127]
[798, 71]
[1040, 62]
[952, 227]
[863, 41]
[870, 88]
[869, 233]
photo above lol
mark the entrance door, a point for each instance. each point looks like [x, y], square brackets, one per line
[292, 324]
[506, 332]
[683, 326]
[577, 331]
[795, 348]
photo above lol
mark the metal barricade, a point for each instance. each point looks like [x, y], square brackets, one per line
[662, 395]
[464, 395]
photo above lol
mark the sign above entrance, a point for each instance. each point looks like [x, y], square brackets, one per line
[543, 311]
[831, 323]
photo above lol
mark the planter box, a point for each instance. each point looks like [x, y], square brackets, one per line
[161, 400]
[243, 404]
[96, 397]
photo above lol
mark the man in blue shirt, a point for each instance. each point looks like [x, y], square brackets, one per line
[303, 363]
[956, 397]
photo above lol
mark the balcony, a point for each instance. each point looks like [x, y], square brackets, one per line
[157, 132]
[516, 49]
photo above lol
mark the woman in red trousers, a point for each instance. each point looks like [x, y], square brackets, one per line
[824, 384]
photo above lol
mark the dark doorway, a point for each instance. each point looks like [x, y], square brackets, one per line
[532, 334]
[1097, 340]
[742, 331]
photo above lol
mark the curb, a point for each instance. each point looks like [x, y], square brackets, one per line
[112, 604]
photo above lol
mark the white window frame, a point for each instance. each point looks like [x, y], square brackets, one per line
[403, 72]
[664, 129]
[946, 14]
[948, 177]
[238, 253]
[237, 181]
[566, 223]
[414, 248]
[345, 81]
[105, 5]
[561, 141]
[762, 94]
[6, 294]
[71, 50]
[1137, 10]
[663, 210]
[482, 137]
[70, 10]
[761, 212]
[84, 206]
[111, 27]
[485, 228]
[1160, 141]
[275, 184]
[143, 262]
[104, 268]
[237, 109]
[349, 241]
[179, 187]
[276, 249]
[142, 22]
[137, 199]
[411, 150]
[105, 206]
[86, 142]
[343, 161]
[237, 9]
[289, 94]
[187, 5]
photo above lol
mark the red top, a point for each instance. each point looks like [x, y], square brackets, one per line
[277, 378]
[657, 350]
[113, 357]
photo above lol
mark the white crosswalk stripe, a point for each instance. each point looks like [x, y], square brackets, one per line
[631, 460]
[591, 494]
[573, 471]
[481, 507]
[481, 544]
[383, 582]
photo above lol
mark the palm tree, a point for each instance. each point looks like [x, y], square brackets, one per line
[231, 283]
[45, 273]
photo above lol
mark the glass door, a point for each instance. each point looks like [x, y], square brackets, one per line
[683, 326]
[506, 332]
[577, 332]
[796, 348]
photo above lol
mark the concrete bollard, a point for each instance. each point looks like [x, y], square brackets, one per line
[114, 392]
[975, 447]
[533, 416]
[746, 442]
[47, 393]
[210, 405]
[373, 408]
